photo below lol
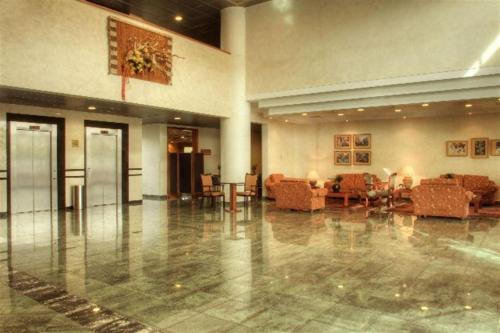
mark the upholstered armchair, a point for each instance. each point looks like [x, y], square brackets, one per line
[441, 197]
[270, 181]
[298, 195]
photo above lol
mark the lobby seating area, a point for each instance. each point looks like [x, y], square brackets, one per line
[298, 195]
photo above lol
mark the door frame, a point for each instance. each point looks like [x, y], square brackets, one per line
[124, 144]
[61, 150]
[195, 142]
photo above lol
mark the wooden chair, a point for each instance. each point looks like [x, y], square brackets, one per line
[210, 191]
[250, 188]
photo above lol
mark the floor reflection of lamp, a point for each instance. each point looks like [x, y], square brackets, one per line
[313, 177]
[407, 173]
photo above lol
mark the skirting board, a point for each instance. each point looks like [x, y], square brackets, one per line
[155, 197]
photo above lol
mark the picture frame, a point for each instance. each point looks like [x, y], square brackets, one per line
[342, 157]
[362, 141]
[343, 141]
[495, 147]
[457, 148]
[362, 157]
[479, 148]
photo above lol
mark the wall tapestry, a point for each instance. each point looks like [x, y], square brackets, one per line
[138, 53]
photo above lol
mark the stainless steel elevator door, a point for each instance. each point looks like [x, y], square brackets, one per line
[103, 158]
[33, 167]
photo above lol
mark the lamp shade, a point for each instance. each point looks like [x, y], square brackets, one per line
[407, 171]
[313, 175]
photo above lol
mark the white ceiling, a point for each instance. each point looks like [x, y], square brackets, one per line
[437, 109]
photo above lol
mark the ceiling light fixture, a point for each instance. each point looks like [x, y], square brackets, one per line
[468, 105]
[91, 107]
[304, 114]
[347, 120]
[470, 113]
[286, 120]
[270, 117]
[361, 110]
[397, 110]
[340, 114]
[177, 118]
[404, 117]
[178, 18]
[425, 105]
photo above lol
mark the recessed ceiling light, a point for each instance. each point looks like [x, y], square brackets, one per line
[347, 120]
[340, 114]
[468, 105]
[183, 137]
[404, 117]
[58, 113]
[425, 105]
[470, 113]
[304, 114]
[91, 107]
[397, 110]
[178, 18]
[361, 109]
[270, 117]
[177, 118]
[286, 120]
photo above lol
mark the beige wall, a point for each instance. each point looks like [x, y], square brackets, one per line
[61, 46]
[209, 138]
[297, 44]
[297, 149]
[75, 157]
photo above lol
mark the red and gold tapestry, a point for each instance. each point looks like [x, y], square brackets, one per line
[139, 53]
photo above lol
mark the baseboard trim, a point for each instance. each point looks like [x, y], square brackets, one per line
[155, 197]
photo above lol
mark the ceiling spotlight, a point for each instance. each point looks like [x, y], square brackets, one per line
[177, 118]
[404, 117]
[270, 117]
[425, 105]
[340, 114]
[183, 137]
[91, 107]
[304, 114]
[286, 120]
[397, 110]
[347, 120]
[469, 113]
[468, 105]
[361, 110]
[178, 18]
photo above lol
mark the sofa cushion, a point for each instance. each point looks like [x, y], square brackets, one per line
[440, 181]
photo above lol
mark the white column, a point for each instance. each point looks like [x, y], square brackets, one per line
[154, 159]
[235, 130]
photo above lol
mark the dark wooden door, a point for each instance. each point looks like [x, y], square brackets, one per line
[173, 176]
[198, 169]
[185, 172]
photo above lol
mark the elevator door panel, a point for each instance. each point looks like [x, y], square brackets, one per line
[103, 158]
[22, 160]
[33, 167]
[41, 170]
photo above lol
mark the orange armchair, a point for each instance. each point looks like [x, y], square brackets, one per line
[298, 195]
[441, 197]
[270, 181]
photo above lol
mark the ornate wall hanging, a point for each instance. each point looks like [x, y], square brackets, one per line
[138, 53]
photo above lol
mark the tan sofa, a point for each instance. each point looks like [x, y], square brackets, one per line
[479, 185]
[441, 197]
[298, 195]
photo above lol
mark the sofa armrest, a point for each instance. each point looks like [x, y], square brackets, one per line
[469, 195]
[319, 192]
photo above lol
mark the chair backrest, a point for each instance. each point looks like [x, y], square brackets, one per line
[250, 182]
[206, 183]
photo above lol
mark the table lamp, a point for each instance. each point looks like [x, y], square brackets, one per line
[407, 173]
[313, 177]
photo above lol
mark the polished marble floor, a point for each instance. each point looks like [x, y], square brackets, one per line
[172, 267]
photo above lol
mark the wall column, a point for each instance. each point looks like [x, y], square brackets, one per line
[235, 130]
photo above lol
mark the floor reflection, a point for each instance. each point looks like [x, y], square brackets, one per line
[178, 268]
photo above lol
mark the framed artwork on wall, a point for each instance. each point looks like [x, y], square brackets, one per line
[495, 147]
[342, 157]
[343, 141]
[362, 141]
[362, 157]
[479, 147]
[457, 148]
